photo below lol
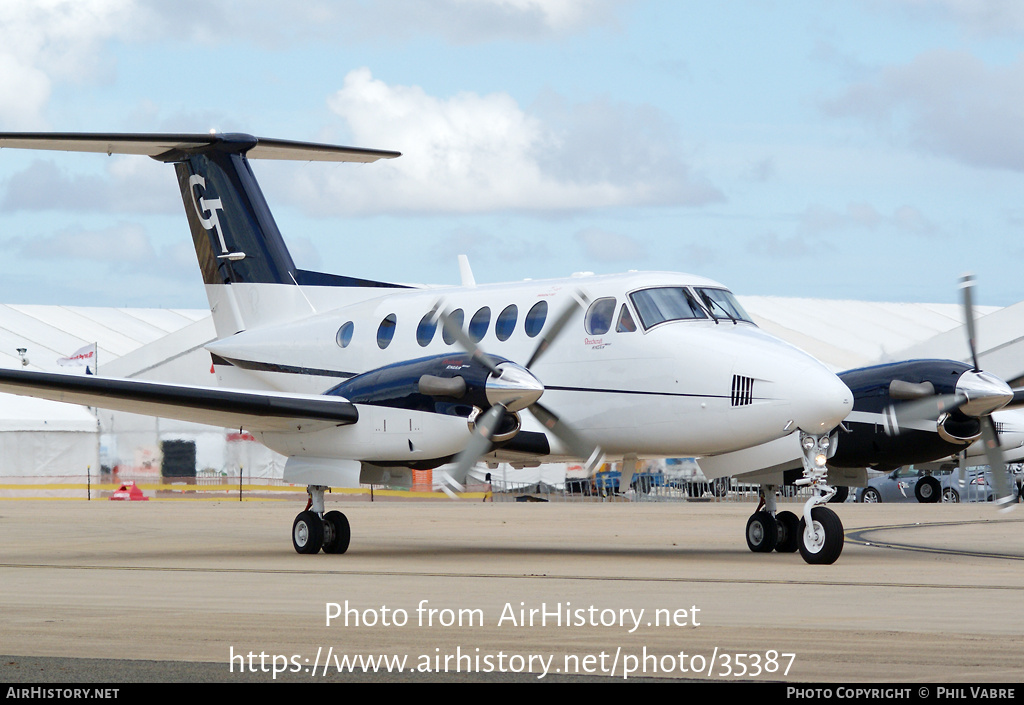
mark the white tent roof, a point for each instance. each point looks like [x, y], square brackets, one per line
[49, 333]
[849, 334]
[52, 332]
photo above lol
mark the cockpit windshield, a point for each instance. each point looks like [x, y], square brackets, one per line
[677, 303]
[669, 303]
[722, 304]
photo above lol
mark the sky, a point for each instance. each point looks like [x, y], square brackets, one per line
[854, 149]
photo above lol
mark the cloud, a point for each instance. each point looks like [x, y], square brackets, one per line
[42, 43]
[472, 153]
[775, 246]
[271, 23]
[45, 43]
[121, 243]
[483, 246]
[123, 248]
[948, 103]
[988, 18]
[132, 185]
[606, 246]
[817, 220]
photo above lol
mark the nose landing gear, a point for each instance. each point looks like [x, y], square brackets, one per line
[818, 534]
[821, 535]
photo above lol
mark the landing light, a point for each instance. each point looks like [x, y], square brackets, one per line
[820, 460]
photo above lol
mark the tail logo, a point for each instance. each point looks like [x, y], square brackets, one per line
[208, 206]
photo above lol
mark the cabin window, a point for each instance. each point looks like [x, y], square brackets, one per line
[344, 336]
[506, 322]
[455, 319]
[426, 329]
[386, 331]
[478, 324]
[535, 318]
[599, 316]
[668, 303]
[626, 323]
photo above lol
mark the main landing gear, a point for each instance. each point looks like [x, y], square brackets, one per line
[313, 530]
[818, 533]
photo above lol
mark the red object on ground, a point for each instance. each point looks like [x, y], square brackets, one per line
[129, 492]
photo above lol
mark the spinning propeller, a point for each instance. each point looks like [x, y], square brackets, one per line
[511, 388]
[978, 394]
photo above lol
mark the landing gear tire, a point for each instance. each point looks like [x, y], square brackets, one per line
[337, 533]
[308, 532]
[762, 532]
[928, 490]
[821, 543]
[789, 532]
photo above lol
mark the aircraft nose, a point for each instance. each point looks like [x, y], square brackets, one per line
[820, 400]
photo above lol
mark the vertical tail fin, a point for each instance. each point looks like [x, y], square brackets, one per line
[235, 236]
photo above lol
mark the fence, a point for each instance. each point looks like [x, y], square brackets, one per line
[643, 490]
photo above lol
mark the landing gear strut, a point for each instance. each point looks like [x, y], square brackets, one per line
[313, 530]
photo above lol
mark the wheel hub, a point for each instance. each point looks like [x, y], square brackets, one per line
[301, 533]
[814, 537]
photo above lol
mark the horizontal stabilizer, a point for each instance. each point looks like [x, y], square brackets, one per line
[158, 145]
[252, 410]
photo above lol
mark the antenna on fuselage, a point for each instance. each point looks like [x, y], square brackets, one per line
[465, 272]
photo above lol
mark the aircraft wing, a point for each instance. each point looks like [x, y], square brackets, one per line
[230, 408]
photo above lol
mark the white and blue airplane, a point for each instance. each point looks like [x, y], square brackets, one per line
[359, 381]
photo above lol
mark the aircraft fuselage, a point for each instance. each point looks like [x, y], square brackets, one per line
[690, 386]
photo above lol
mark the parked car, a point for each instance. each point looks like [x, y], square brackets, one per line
[906, 484]
[978, 486]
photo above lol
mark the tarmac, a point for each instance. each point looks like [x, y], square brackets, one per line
[212, 591]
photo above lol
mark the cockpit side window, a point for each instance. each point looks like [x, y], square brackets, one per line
[626, 323]
[599, 316]
[668, 303]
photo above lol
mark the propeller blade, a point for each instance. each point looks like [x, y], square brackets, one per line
[480, 442]
[579, 301]
[468, 344]
[966, 286]
[996, 462]
[903, 417]
[577, 444]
